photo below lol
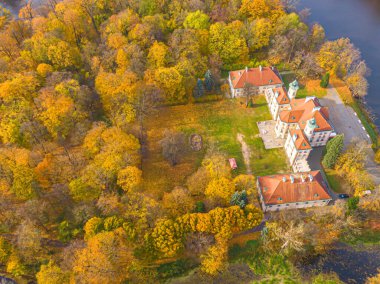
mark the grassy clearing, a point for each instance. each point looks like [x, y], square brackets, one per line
[271, 268]
[337, 183]
[367, 237]
[218, 123]
[347, 98]
[308, 88]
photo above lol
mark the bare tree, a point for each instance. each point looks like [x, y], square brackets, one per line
[173, 146]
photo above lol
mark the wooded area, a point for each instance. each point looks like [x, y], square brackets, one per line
[82, 83]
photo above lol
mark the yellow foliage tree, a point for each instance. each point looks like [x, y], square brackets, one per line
[129, 178]
[106, 259]
[220, 188]
[158, 55]
[51, 273]
[170, 81]
[261, 32]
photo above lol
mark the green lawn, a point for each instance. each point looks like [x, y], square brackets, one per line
[308, 88]
[219, 123]
[337, 183]
[366, 237]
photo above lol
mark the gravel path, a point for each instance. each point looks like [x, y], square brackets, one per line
[246, 152]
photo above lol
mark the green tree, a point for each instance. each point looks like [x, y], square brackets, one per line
[197, 20]
[325, 80]
[199, 89]
[239, 198]
[333, 149]
[209, 81]
[352, 204]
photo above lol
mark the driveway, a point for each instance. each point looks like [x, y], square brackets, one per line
[345, 120]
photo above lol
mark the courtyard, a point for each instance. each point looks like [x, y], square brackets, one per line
[267, 133]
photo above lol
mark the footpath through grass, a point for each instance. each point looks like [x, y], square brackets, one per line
[218, 123]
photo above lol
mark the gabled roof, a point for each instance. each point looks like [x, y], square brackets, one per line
[282, 98]
[277, 191]
[261, 76]
[301, 142]
[305, 109]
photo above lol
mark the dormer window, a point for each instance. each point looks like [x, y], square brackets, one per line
[293, 117]
[279, 199]
[316, 195]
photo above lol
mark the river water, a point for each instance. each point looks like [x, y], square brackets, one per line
[358, 20]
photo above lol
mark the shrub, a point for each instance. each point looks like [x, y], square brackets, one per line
[377, 156]
[325, 80]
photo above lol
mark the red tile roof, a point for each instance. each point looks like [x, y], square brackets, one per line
[256, 77]
[301, 142]
[275, 191]
[305, 109]
[282, 98]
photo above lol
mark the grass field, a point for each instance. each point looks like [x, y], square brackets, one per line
[308, 88]
[218, 123]
[337, 183]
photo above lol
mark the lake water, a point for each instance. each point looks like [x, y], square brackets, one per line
[358, 20]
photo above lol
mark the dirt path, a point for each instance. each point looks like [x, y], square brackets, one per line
[246, 152]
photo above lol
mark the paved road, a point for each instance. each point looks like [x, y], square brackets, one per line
[343, 117]
[345, 120]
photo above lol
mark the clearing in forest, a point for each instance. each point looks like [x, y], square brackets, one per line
[218, 123]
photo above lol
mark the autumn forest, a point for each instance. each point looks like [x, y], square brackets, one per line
[81, 80]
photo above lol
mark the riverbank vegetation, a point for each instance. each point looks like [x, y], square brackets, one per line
[116, 127]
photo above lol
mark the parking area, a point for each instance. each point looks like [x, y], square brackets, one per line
[343, 118]
[267, 133]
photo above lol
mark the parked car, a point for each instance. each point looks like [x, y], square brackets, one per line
[343, 196]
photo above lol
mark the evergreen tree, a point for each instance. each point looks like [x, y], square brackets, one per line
[325, 80]
[239, 198]
[209, 81]
[333, 149]
[199, 89]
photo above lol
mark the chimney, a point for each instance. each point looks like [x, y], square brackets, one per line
[284, 178]
[291, 179]
[309, 99]
[311, 177]
[246, 69]
[261, 68]
[295, 137]
[316, 109]
[302, 178]
[276, 94]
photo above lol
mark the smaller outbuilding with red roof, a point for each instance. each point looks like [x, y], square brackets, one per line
[291, 191]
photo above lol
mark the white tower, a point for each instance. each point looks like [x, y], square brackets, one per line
[293, 88]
